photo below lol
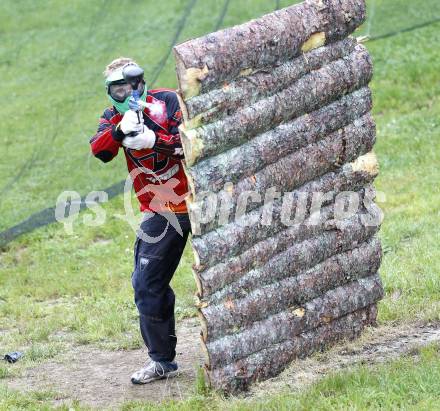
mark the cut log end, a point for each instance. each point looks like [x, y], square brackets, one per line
[191, 186]
[190, 80]
[196, 258]
[362, 39]
[246, 72]
[182, 105]
[314, 41]
[206, 354]
[198, 283]
[194, 122]
[195, 227]
[367, 163]
[204, 325]
[192, 145]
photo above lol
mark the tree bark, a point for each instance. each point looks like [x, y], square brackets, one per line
[285, 175]
[234, 238]
[209, 61]
[271, 361]
[286, 325]
[269, 147]
[297, 168]
[276, 124]
[218, 103]
[301, 256]
[224, 318]
[314, 90]
[278, 240]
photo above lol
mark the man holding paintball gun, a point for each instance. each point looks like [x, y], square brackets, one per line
[144, 124]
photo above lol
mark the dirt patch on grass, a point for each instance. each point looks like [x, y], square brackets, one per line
[99, 378]
[376, 345]
[102, 378]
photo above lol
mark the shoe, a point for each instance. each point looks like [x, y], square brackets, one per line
[154, 370]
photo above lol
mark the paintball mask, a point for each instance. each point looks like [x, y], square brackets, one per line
[120, 91]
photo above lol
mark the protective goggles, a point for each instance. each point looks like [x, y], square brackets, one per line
[118, 88]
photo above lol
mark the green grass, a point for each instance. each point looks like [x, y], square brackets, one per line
[51, 60]
[33, 400]
[407, 110]
[79, 285]
[56, 288]
[409, 383]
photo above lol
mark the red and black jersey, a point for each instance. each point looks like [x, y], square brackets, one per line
[158, 172]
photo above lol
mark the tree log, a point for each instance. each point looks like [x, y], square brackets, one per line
[294, 321]
[303, 165]
[271, 361]
[344, 235]
[244, 91]
[224, 318]
[309, 93]
[268, 148]
[286, 174]
[279, 238]
[283, 266]
[209, 61]
[234, 238]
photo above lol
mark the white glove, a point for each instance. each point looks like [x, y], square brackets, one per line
[130, 122]
[145, 139]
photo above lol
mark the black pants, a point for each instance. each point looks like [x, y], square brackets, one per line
[154, 266]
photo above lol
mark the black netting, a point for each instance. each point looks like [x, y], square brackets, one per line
[56, 125]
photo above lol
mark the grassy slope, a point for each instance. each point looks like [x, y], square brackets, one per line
[80, 284]
[410, 383]
[407, 107]
[55, 287]
[51, 60]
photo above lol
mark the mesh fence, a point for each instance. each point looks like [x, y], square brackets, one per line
[53, 91]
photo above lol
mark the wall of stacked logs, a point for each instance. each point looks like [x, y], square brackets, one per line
[280, 102]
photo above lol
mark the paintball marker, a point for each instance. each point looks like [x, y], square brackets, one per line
[134, 75]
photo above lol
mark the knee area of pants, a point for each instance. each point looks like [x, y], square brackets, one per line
[155, 312]
[141, 277]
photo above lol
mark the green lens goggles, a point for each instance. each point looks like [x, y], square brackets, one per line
[119, 90]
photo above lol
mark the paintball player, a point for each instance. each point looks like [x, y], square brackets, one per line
[146, 129]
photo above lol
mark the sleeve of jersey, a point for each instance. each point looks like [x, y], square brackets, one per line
[169, 143]
[104, 143]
